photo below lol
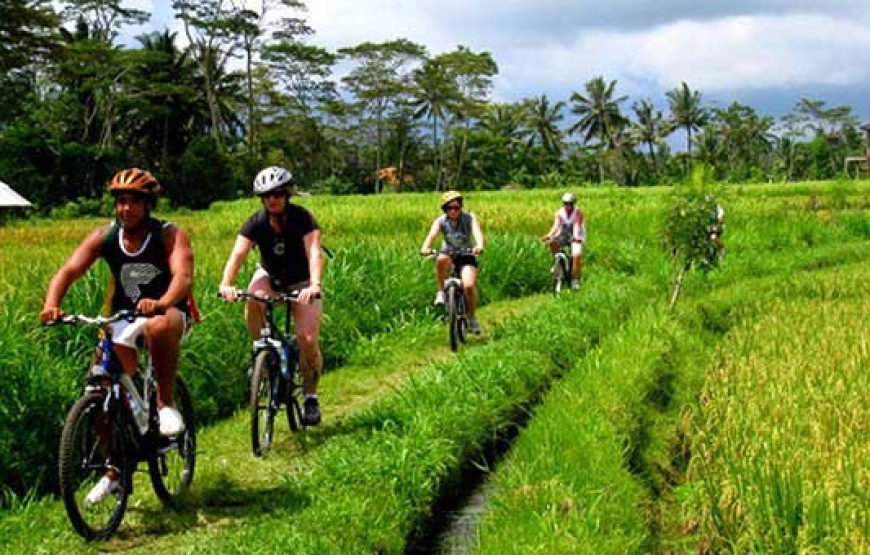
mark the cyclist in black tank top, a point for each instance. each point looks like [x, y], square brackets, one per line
[152, 269]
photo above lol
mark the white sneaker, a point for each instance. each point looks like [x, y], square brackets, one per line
[439, 299]
[575, 284]
[475, 326]
[171, 423]
[104, 488]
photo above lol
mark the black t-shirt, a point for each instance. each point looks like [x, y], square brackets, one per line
[282, 255]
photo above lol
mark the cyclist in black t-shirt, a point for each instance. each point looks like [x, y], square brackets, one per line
[288, 239]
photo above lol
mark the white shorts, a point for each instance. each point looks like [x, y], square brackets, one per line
[128, 333]
[576, 248]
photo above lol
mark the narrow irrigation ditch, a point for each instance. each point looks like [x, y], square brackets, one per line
[451, 526]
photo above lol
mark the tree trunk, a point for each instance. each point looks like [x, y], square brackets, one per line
[678, 285]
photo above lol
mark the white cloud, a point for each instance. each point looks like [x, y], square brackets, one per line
[725, 54]
[555, 46]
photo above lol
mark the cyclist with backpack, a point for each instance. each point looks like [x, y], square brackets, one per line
[288, 239]
[151, 263]
[569, 228]
[460, 230]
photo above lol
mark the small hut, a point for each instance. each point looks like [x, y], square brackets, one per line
[860, 161]
[9, 198]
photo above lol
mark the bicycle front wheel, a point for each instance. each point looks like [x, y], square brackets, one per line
[264, 401]
[454, 317]
[90, 445]
[462, 319]
[172, 464]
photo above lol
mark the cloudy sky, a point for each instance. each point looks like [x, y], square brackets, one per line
[767, 53]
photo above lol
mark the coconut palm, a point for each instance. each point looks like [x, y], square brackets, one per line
[543, 122]
[435, 95]
[686, 111]
[650, 129]
[600, 116]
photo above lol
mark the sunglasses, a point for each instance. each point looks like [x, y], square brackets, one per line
[453, 207]
[277, 193]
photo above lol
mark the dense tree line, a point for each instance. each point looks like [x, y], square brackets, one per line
[250, 89]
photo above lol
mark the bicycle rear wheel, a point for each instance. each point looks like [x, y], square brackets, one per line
[264, 401]
[294, 408]
[173, 461]
[91, 443]
[452, 316]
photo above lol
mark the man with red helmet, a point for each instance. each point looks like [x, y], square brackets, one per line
[152, 269]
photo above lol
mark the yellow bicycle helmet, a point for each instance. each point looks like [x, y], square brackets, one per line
[449, 196]
[134, 180]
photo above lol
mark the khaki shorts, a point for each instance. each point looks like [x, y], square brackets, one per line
[261, 273]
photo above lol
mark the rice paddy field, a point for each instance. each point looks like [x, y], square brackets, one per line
[596, 422]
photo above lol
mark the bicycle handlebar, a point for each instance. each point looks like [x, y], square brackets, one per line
[451, 251]
[128, 315]
[290, 297]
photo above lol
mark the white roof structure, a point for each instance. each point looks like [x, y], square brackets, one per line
[8, 197]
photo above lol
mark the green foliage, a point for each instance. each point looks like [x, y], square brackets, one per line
[333, 185]
[82, 206]
[690, 219]
[205, 175]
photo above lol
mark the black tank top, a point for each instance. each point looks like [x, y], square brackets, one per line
[144, 274]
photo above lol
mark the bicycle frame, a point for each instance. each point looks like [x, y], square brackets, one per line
[285, 343]
[108, 366]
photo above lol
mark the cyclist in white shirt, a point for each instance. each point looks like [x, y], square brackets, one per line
[569, 228]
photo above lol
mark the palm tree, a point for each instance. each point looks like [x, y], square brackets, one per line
[435, 94]
[164, 114]
[686, 111]
[650, 128]
[504, 123]
[600, 116]
[543, 121]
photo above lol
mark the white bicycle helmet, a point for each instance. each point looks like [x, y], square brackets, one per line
[569, 198]
[271, 178]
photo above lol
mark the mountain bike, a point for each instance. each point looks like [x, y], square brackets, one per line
[275, 375]
[114, 425]
[455, 303]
